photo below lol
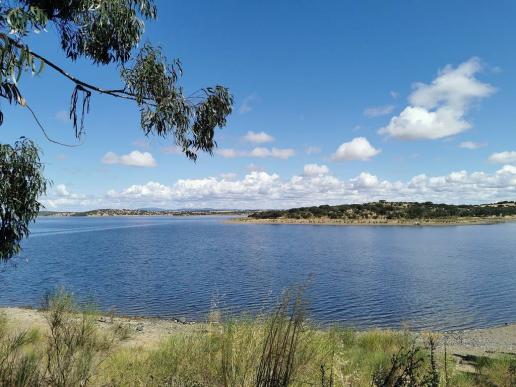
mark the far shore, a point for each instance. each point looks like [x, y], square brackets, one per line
[375, 222]
[149, 332]
[145, 216]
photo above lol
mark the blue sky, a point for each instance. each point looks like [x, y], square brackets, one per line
[335, 102]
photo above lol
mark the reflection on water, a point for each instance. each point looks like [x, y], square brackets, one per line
[423, 277]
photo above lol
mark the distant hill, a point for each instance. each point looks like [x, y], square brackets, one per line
[391, 211]
[142, 212]
[156, 209]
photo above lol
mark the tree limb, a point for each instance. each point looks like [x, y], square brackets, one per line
[118, 93]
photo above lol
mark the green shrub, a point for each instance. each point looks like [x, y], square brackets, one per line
[19, 365]
[282, 349]
[74, 346]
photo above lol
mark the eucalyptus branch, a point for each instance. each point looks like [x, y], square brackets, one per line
[40, 125]
[118, 93]
[104, 32]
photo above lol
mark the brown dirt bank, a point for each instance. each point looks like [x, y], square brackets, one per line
[375, 222]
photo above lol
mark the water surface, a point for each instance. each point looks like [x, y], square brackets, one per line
[365, 276]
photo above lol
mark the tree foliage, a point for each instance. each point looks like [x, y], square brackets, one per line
[108, 32]
[21, 183]
[104, 32]
[384, 210]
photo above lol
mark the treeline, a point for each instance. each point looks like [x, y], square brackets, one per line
[392, 211]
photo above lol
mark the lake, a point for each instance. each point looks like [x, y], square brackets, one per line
[365, 276]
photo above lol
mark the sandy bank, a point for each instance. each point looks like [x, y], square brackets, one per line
[143, 331]
[150, 331]
[374, 222]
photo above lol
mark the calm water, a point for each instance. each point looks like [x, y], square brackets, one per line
[423, 277]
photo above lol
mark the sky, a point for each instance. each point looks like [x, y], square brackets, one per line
[335, 102]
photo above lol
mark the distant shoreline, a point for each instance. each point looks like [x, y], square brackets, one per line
[241, 218]
[137, 213]
[140, 216]
[374, 222]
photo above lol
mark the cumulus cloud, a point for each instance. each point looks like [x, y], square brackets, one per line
[438, 109]
[357, 149]
[258, 152]
[229, 176]
[365, 180]
[472, 145]
[61, 190]
[259, 189]
[133, 159]
[60, 197]
[258, 138]
[278, 153]
[377, 111]
[315, 170]
[507, 157]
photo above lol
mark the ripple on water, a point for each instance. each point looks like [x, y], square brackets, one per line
[427, 278]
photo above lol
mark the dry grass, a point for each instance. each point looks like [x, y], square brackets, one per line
[277, 350]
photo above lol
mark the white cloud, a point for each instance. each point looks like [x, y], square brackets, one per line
[133, 159]
[357, 149]
[259, 152]
[278, 153]
[61, 190]
[394, 94]
[229, 176]
[507, 157]
[315, 170]
[110, 158]
[248, 103]
[472, 145]
[438, 109]
[258, 138]
[229, 153]
[152, 189]
[60, 198]
[365, 180]
[377, 111]
[419, 123]
[260, 189]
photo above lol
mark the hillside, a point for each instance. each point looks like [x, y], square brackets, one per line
[141, 212]
[391, 212]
